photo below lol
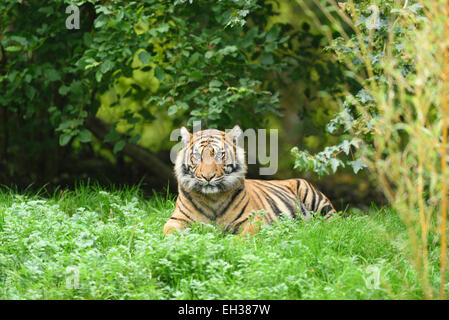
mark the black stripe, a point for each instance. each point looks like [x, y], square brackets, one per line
[290, 189]
[177, 219]
[229, 150]
[313, 199]
[234, 196]
[284, 192]
[241, 212]
[302, 210]
[326, 209]
[268, 213]
[185, 169]
[269, 218]
[318, 201]
[185, 194]
[180, 210]
[210, 140]
[236, 227]
[226, 151]
[303, 200]
[258, 197]
[279, 192]
[273, 205]
[283, 198]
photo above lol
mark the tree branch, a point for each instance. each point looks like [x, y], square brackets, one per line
[144, 157]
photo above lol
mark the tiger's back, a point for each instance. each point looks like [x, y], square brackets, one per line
[213, 188]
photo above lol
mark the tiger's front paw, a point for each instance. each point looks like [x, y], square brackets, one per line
[172, 226]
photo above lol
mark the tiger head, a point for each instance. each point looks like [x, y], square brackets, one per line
[211, 161]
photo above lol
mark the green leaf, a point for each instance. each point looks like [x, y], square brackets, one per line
[119, 146]
[334, 164]
[194, 58]
[182, 105]
[52, 75]
[28, 78]
[112, 136]
[144, 57]
[215, 83]
[163, 28]
[345, 145]
[106, 66]
[84, 136]
[64, 139]
[13, 48]
[98, 76]
[172, 110]
[23, 41]
[133, 120]
[146, 114]
[135, 138]
[267, 58]
[357, 165]
[209, 54]
[159, 73]
[364, 96]
[64, 125]
[101, 21]
[92, 63]
[30, 92]
[228, 50]
[195, 75]
[272, 34]
[63, 90]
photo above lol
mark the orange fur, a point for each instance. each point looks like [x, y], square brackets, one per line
[213, 189]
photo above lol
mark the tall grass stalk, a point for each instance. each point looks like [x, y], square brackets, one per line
[408, 156]
[444, 155]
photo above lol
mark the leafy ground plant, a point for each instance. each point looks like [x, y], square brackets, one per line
[399, 55]
[96, 244]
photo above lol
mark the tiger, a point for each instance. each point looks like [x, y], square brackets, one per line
[212, 188]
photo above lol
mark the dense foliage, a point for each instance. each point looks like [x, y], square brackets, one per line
[145, 68]
[362, 51]
[109, 92]
[399, 114]
[199, 56]
[93, 244]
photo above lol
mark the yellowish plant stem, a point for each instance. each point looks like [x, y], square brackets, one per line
[444, 156]
[424, 231]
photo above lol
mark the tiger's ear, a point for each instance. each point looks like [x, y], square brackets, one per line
[234, 133]
[186, 136]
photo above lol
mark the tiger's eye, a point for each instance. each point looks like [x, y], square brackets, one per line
[196, 155]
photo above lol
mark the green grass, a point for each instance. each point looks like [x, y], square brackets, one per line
[114, 241]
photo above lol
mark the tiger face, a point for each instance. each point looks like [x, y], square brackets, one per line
[211, 161]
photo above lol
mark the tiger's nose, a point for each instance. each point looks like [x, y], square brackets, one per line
[208, 176]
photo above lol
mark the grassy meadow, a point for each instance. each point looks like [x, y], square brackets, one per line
[96, 244]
